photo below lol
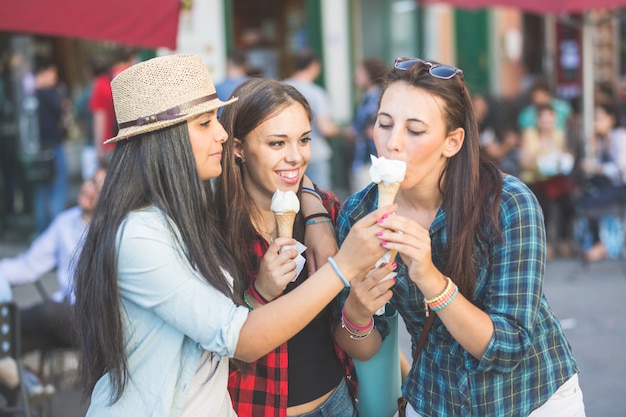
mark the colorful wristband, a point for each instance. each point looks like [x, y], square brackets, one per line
[313, 193]
[441, 298]
[255, 293]
[316, 215]
[245, 298]
[447, 301]
[310, 222]
[355, 327]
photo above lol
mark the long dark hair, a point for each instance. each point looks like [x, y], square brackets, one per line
[259, 99]
[470, 183]
[156, 168]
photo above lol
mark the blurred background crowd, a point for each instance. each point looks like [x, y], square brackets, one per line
[549, 92]
[548, 86]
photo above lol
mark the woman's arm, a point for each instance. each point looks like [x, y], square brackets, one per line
[278, 321]
[367, 295]
[154, 274]
[276, 271]
[319, 236]
[468, 324]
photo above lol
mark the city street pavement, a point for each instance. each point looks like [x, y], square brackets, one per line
[589, 301]
[591, 305]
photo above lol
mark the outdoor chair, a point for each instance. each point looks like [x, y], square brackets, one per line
[10, 347]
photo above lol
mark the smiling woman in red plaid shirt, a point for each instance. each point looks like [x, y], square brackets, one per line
[270, 124]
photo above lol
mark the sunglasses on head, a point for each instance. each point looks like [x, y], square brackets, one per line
[444, 72]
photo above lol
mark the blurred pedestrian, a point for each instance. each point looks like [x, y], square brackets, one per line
[500, 144]
[368, 79]
[541, 95]
[103, 113]
[84, 116]
[307, 69]
[236, 73]
[9, 162]
[546, 163]
[604, 185]
[101, 100]
[50, 195]
[124, 57]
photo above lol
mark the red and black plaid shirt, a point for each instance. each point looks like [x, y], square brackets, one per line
[260, 388]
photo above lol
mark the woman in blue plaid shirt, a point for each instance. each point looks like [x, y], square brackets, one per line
[496, 348]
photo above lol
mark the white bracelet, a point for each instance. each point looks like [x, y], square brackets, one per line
[332, 263]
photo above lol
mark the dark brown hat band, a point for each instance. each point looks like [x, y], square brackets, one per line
[169, 114]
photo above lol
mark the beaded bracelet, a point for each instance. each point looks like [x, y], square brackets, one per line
[332, 263]
[315, 215]
[354, 335]
[310, 222]
[446, 292]
[245, 298]
[447, 301]
[354, 327]
[313, 193]
[445, 298]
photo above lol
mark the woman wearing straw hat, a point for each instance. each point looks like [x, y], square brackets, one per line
[157, 314]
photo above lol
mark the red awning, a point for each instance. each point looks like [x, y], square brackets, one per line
[536, 6]
[145, 23]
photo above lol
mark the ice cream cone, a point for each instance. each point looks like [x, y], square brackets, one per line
[386, 195]
[388, 174]
[284, 221]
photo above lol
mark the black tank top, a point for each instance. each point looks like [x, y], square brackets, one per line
[314, 368]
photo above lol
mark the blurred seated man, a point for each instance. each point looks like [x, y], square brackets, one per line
[48, 323]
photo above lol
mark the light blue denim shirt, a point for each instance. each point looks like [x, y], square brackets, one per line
[170, 315]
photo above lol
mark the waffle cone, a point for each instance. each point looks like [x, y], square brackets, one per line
[284, 221]
[387, 193]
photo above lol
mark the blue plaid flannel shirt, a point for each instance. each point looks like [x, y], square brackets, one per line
[528, 357]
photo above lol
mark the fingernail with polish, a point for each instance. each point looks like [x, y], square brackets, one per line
[379, 234]
[394, 265]
[383, 242]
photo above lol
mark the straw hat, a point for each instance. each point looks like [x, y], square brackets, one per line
[162, 92]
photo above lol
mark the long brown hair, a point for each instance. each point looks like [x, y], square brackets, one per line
[470, 183]
[259, 99]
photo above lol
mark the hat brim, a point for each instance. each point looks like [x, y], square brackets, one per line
[192, 112]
